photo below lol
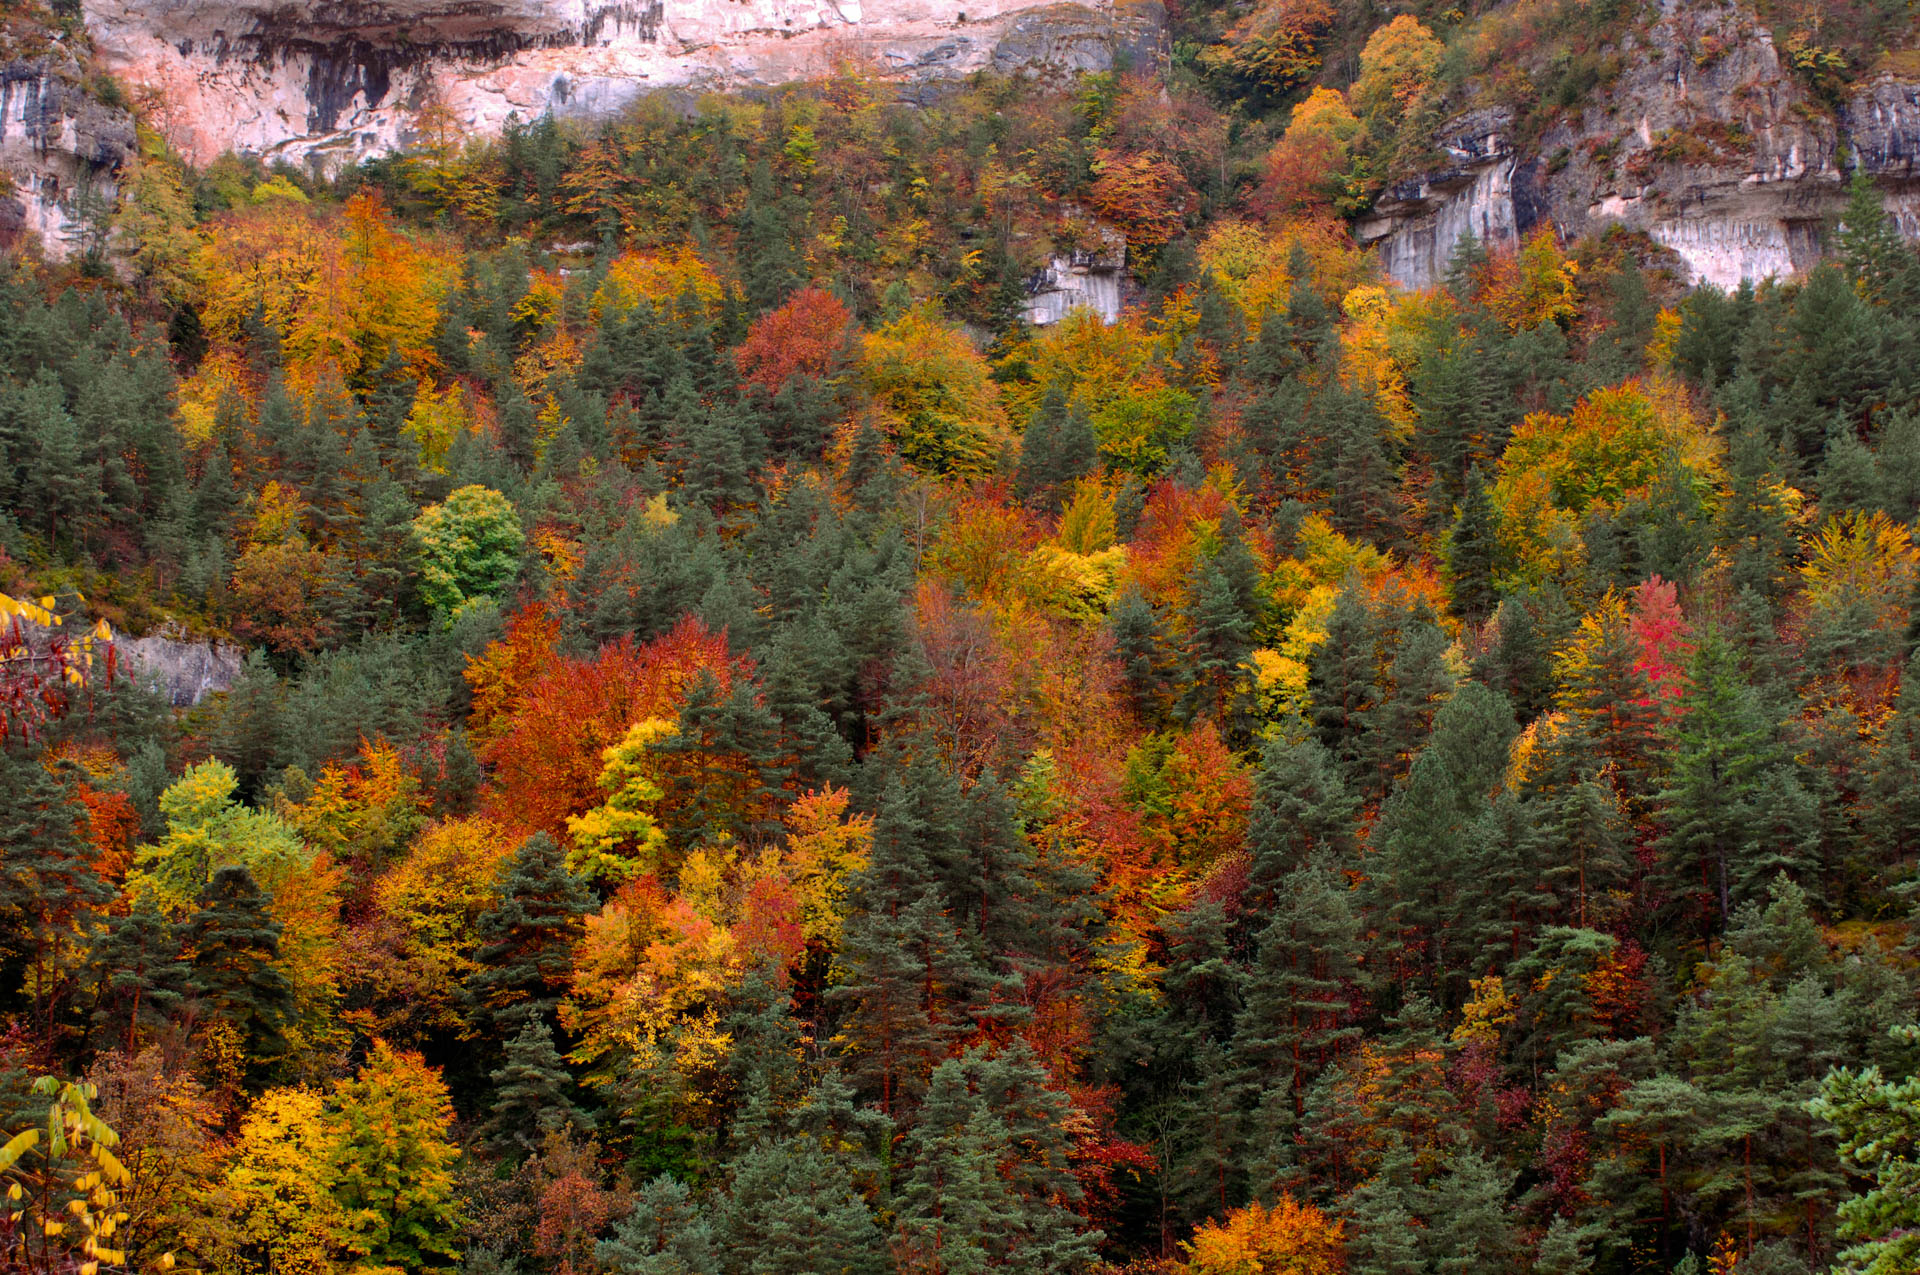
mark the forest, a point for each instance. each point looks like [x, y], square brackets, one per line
[753, 758]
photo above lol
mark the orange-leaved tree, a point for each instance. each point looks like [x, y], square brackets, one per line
[1286, 1239]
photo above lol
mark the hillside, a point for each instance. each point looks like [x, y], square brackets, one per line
[1273, 640]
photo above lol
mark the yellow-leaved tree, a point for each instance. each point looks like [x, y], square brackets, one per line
[1286, 1239]
[936, 394]
[61, 1185]
[619, 838]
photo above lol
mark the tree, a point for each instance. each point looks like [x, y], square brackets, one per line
[617, 840]
[1301, 807]
[1730, 809]
[665, 1234]
[62, 1185]
[794, 1209]
[526, 939]
[1472, 550]
[937, 394]
[208, 830]
[1878, 1124]
[470, 548]
[1142, 193]
[278, 1211]
[233, 945]
[144, 978]
[393, 1162]
[530, 1094]
[989, 1183]
[1880, 261]
[1397, 66]
[1300, 998]
[48, 885]
[1286, 1239]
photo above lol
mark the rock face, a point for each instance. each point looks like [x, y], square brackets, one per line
[1704, 143]
[185, 671]
[322, 82]
[1082, 281]
[60, 150]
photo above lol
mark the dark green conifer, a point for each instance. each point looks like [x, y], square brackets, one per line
[526, 939]
[530, 1098]
[233, 943]
[143, 979]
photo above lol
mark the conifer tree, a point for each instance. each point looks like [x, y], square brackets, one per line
[1301, 807]
[48, 886]
[526, 939]
[1298, 1003]
[666, 1233]
[234, 946]
[1140, 643]
[1426, 827]
[989, 1182]
[1472, 550]
[1871, 247]
[794, 1210]
[530, 1094]
[143, 976]
[1721, 809]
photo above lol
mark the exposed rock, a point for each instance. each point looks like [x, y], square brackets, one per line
[1093, 277]
[319, 82]
[60, 150]
[1704, 142]
[187, 671]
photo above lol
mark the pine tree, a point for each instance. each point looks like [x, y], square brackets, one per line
[770, 269]
[530, 1094]
[1426, 827]
[1139, 641]
[460, 775]
[63, 491]
[666, 1233]
[234, 946]
[989, 1181]
[1562, 1250]
[48, 887]
[1038, 478]
[1727, 779]
[1301, 807]
[1352, 463]
[794, 1209]
[910, 980]
[1472, 552]
[1849, 480]
[1871, 247]
[210, 513]
[143, 978]
[1219, 638]
[1420, 682]
[526, 939]
[1299, 1006]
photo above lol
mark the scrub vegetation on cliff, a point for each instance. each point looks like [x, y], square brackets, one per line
[756, 759]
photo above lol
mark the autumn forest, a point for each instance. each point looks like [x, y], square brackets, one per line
[750, 756]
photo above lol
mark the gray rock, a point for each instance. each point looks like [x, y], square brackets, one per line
[1721, 158]
[187, 671]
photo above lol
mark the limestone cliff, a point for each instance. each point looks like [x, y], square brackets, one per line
[60, 151]
[322, 82]
[1704, 142]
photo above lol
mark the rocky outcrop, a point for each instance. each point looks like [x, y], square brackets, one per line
[1094, 281]
[184, 670]
[60, 152]
[322, 82]
[1704, 143]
